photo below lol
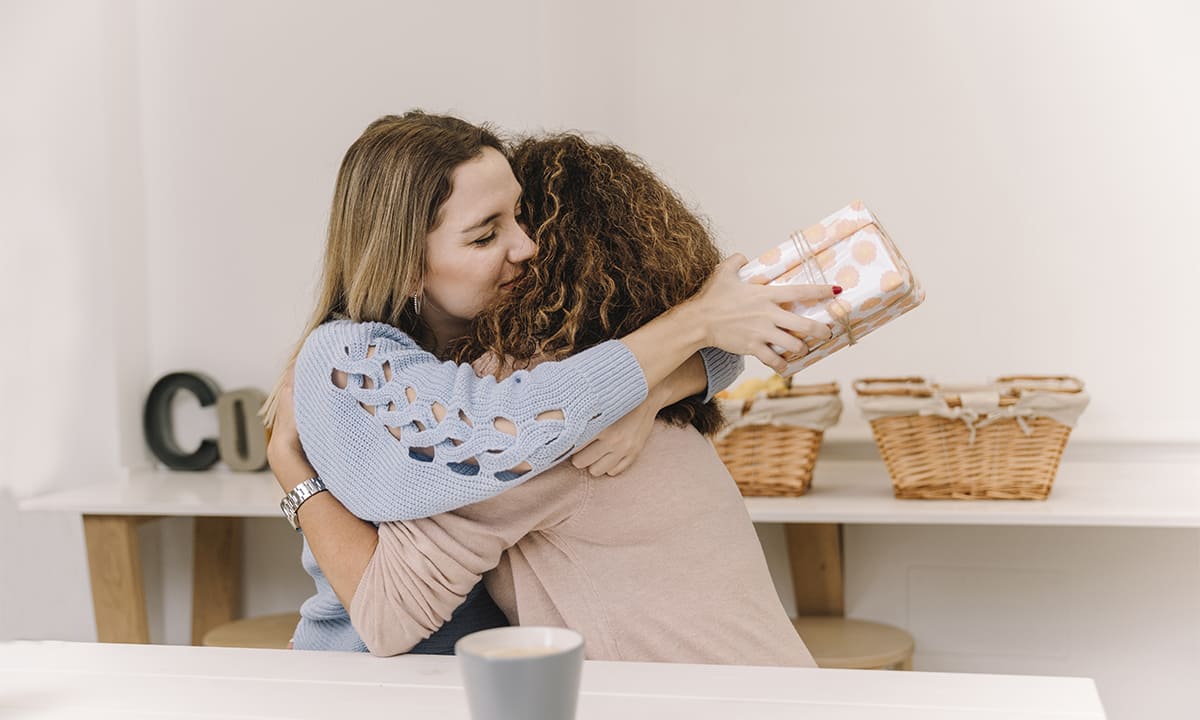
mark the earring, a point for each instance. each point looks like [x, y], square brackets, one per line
[417, 303]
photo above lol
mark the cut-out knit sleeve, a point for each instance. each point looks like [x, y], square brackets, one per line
[722, 368]
[435, 466]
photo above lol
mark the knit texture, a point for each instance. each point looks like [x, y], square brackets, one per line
[379, 478]
[722, 369]
[439, 466]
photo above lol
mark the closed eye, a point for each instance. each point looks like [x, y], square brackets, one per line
[481, 242]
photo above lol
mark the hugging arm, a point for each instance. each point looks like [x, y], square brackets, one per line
[424, 437]
[403, 580]
[422, 570]
[616, 447]
[395, 479]
[408, 436]
[343, 545]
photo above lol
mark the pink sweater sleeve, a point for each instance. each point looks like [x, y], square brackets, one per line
[423, 569]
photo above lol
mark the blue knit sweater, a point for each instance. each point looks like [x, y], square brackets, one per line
[436, 466]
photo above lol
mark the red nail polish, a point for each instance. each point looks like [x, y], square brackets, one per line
[837, 289]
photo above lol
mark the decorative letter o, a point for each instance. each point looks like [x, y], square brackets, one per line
[242, 439]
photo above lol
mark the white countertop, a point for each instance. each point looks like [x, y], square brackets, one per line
[86, 680]
[1086, 493]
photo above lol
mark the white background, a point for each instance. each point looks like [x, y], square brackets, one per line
[166, 168]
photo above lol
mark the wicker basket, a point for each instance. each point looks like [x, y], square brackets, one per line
[999, 441]
[775, 458]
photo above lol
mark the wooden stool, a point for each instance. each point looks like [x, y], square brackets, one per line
[838, 642]
[266, 631]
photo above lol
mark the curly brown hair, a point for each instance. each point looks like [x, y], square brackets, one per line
[616, 248]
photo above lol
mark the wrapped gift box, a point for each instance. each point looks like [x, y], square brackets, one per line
[849, 248]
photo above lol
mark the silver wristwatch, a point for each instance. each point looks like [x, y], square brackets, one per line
[291, 502]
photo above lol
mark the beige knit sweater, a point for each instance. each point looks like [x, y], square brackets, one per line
[660, 563]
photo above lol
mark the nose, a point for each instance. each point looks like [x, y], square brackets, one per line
[522, 248]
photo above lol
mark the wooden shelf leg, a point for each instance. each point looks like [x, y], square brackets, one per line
[815, 555]
[115, 566]
[217, 574]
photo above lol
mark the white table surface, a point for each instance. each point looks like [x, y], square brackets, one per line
[85, 680]
[1098, 494]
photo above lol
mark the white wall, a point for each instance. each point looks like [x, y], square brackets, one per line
[72, 271]
[247, 109]
[1034, 160]
[1021, 155]
[167, 168]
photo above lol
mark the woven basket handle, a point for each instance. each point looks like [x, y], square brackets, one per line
[1070, 384]
[807, 390]
[915, 386]
[955, 400]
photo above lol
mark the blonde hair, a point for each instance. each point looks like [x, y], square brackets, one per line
[390, 190]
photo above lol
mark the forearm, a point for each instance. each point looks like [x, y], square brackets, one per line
[690, 378]
[413, 584]
[350, 433]
[663, 345]
[341, 543]
[423, 569]
[382, 576]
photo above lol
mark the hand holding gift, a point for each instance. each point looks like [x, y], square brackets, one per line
[752, 319]
[849, 249]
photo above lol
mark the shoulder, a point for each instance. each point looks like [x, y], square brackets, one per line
[346, 339]
[357, 332]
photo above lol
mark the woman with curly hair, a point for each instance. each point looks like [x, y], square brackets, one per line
[616, 248]
[656, 561]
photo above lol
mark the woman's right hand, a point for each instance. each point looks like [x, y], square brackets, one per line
[747, 319]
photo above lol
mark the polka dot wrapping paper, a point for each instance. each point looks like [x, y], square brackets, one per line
[849, 248]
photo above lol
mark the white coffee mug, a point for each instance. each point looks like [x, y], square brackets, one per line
[521, 673]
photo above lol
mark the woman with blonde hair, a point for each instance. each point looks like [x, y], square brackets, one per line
[424, 236]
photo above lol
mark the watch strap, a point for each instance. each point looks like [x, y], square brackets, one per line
[291, 502]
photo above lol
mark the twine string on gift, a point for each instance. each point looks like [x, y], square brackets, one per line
[816, 276]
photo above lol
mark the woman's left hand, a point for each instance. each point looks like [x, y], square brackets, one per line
[284, 451]
[618, 445]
